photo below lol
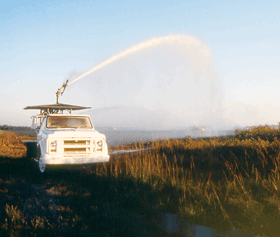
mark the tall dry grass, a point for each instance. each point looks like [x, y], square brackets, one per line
[223, 182]
[11, 145]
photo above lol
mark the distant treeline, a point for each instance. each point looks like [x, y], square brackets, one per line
[20, 130]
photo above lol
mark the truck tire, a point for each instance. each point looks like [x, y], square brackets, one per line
[41, 164]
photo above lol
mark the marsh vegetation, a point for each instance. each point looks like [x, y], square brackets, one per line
[222, 182]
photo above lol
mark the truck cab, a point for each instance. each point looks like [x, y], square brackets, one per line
[66, 139]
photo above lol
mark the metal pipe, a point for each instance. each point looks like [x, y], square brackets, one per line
[60, 91]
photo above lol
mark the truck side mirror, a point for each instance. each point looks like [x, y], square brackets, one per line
[34, 124]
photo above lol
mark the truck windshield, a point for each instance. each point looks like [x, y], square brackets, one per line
[68, 122]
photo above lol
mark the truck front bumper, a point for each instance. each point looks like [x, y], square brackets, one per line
[53, 160]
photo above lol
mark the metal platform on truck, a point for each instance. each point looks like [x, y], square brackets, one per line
[56, 108]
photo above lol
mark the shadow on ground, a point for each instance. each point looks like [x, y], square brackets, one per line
[66, 202]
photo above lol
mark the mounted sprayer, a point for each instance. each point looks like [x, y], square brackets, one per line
[60, 91]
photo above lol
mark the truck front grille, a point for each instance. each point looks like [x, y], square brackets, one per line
[82, 147]
[80, 150]
[76, 142]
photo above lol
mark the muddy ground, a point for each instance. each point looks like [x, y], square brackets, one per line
[68, 202]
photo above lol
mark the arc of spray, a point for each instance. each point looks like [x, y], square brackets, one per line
[181, 39]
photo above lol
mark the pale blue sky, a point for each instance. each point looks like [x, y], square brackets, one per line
[44, 42]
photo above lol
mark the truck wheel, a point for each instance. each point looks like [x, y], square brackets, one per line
[41, 164]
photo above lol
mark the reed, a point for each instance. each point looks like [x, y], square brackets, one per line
[234, 179]
[11, 145]
[222, 182]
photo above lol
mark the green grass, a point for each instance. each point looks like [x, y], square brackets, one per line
[223, 183]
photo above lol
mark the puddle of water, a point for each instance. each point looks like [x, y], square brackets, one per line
[171, 224]
[128, 151]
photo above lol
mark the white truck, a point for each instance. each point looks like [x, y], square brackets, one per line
[66, 139]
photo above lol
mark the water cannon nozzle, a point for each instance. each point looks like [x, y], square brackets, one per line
[64, 86]
[61, 90]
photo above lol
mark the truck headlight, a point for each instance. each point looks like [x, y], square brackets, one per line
[52, 146]
[99, 145]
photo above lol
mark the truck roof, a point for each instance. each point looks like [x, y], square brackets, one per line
[54, 108]
[67, 115]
